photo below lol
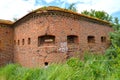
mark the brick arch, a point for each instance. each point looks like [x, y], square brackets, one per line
[91, 39]
[46, 39]
[72, 39]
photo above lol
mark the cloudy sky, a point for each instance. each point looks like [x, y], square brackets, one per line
[10, 9]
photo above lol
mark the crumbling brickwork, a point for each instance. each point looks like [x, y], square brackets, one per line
[6, 44]
[52, 35]
[57, 35]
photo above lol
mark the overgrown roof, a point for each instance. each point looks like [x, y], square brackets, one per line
[5, 22]
[53, 8]
[66, 10]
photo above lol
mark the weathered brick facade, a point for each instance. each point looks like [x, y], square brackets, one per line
[6, 42]
[52, 34]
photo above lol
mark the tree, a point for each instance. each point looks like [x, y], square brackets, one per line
[72, 8]
[114, 50]
[98, 14]
[116, 24]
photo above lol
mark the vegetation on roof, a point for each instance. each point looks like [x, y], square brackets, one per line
[5, 21]
[54, 8]
[68, 11]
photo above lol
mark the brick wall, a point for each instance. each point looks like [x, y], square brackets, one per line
[61, 27]
[6, 44]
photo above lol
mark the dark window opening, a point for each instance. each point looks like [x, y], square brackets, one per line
[91, 39]
[0, 43]
[103, 39]
[46, 39]
[29, 40]
[7, 32]
[18, 42]
[14, 42]
[72, 39]
[23, 41]
[46, 63]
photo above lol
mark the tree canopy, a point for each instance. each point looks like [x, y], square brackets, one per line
[98, 14]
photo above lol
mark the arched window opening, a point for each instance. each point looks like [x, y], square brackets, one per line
[91, 39]
[18, 42]
[46, 39]
[72, 39]
[29, 40]
[23, 41]
[103, 39]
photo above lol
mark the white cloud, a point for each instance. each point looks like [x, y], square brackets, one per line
[70, 1]
[48, 1]
[15, 8]
[109, 6]
[75, 1]
[18, 8]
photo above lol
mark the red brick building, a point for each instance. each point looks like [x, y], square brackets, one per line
[6, 42]
[51, 34]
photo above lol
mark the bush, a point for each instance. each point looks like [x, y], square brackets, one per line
[95, 67]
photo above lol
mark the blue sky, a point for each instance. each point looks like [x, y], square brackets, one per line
[10, 9]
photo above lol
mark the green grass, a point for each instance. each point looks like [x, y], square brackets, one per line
[94, 67]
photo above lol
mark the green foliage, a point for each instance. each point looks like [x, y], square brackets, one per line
[98, 14]
[116, 25]
[93, 67]
[114, 49]
[73, 61]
